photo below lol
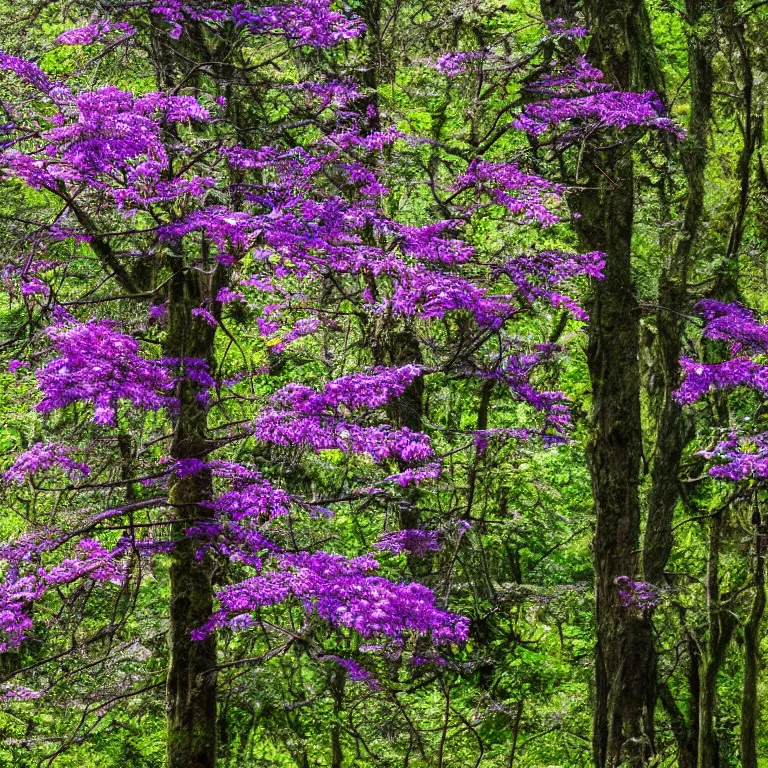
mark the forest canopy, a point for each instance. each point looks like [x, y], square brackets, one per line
[383, 384]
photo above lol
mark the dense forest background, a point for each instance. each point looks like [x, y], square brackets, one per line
[615, 589]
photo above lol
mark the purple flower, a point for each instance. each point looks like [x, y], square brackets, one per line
[41, 457]
[205, 316]
[455, 62]
[96, 363]
[701, 378]
[27, 71]
[740, 457]
[356, 671]
[579, 96]
[98, 30]
[158, 313]
[19, 693]
[415, 475]
[311, 22]
[411, 541]
[343, 592]
[637, 594]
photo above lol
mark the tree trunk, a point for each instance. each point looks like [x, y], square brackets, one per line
[670, 321]
[624, 658]
[707, 741]
[393, 341]
[191, 681]
[670, 326]
[337, 685]
[623, 725]
[720, 628]
[680, 726]
[190, 701]
[749, 703]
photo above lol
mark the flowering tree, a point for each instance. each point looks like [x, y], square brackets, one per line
[186, 248]
[738, 457]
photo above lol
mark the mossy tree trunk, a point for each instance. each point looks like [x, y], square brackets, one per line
[623, 729]
[624, 661]
[191, 679]
[191, 695]
[673, 305]
[749, 700]
[721, 623]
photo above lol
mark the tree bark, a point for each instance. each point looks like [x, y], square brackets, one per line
[337, 685]
[673, 301]
[721, 624]
[670, 327]
[191, 680]
[680, 725]
[624, 658]
[749, 702]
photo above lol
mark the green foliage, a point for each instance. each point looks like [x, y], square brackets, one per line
[521, 691]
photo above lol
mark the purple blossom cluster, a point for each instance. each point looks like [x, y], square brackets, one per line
[574, 78]
[98, 364]
[19, 693]
[578, 95]
[526, 195]
[432, 295]
[455, 62]
[105, 135]
[90, 560]
[733, 324]
[534, 276]
[308, 236]
[310, 23]
[415, 475]
[701, 378]
[41, 457]
[356, 671]
[322, 433]
[481, 438]
[605, 109]
[99, 30]
[320, 420]
[566, 29]
[232, 232]
[428, 244]
[740, 456]
[414, 541]
[241, 514]
[34, 287]
[343, 592]
[637, 594]
[332, 93]
[27, 71]
[371, 389]
[16, 593]
[253, 498]
[515, 372]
